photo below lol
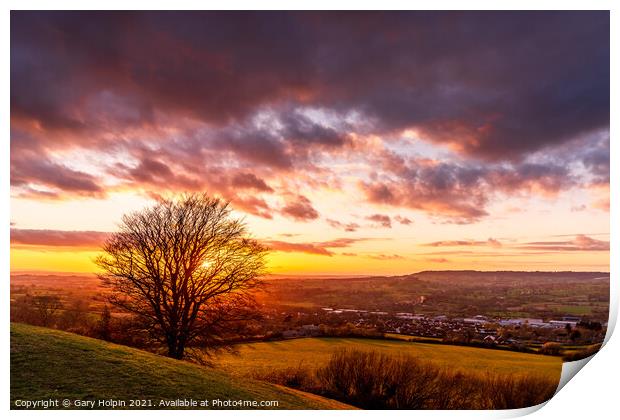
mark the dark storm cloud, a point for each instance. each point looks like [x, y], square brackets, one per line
[232, 102]
[493, 84]
[597, 161]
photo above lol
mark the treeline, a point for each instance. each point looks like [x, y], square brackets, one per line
[371, 380]
[79, 317]
[94, 319]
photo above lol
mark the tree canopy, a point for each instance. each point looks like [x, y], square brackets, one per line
[185, 267]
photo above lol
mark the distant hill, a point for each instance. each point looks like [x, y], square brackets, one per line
[48, 364]
[577, 274]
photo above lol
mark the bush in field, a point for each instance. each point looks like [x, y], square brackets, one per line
[582, 354]
[373, 380]
[551, 348]
[516, 391]
[349, 330]
[299, 377]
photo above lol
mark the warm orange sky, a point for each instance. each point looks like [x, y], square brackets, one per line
[352, 144]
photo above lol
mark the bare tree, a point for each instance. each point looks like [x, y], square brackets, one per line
[185, 267]
[46, 307]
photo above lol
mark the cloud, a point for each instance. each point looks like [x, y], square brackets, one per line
[489, 242]
[252, 205]
[386, 257]
[250, 181]
[451, 86]
[381, 220]
[403, 220]
[289, 235]
[298, 247]
[58, 238]
[347, 227]
[579, 243]
[438, 260]
[300, 209]
[180, 101]
[459, 192]
[316, 248]
[341, 242]
[40, 176]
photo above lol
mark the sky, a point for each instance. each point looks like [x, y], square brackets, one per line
[351, 143]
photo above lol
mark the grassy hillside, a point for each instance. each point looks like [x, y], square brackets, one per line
[53, 364]
[312, 352]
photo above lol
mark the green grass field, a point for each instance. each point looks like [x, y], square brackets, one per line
[314, 352]
[53, 364]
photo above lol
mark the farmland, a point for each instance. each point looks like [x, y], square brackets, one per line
[453, 293]
[380, 306]
[258, 358]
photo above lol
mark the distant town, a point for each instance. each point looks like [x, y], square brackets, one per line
[518, 333]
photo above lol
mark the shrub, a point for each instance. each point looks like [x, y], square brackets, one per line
[582, 354]
[516, 391]
[551, 348]
[299, 377]
[373, 380]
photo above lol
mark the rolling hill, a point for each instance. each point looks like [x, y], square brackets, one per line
[52, 364]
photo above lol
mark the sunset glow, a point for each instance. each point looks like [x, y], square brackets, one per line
[347, 146]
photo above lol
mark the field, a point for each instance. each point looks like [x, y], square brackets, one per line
[453, 293]
[52, 364]
[257, 358]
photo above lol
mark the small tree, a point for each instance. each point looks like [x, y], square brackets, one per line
[104, 325]
[186, 268]
[46, 307]
[74, 317]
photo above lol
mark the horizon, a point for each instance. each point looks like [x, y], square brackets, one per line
[328, 276]
[360, 144]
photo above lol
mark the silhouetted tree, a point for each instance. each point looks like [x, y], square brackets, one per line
[104, 325]
[74, 316]
[186, 268]
[46, 307]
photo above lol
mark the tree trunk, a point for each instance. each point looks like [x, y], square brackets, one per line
[176, 346]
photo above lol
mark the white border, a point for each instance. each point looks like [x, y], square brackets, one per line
[594, 394]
